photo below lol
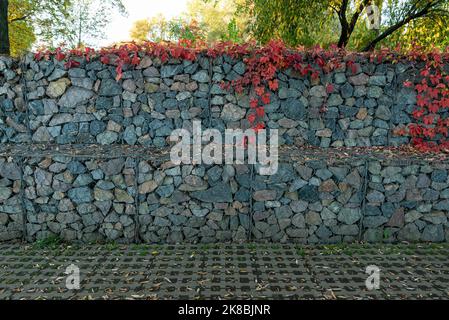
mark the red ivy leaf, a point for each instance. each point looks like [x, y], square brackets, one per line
[71, 64]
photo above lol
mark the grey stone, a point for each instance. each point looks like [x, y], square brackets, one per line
[433, 233]
[349, 215]
[439, 176]
[75, 96]
[80, 195]
[219, 193]
[201, 76]
[309, 194]
[10, 170]
[383, 113]
[232, 112]
[294, 109]
[113, 167]
[107, 138]
[110, 88]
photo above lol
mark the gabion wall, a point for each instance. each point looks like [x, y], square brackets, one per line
[85, 157]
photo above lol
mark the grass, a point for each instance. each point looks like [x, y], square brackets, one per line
[52, 242]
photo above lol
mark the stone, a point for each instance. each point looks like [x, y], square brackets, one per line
[42, 135]
[80, 195]
[43, 178]
[145, 63]
[318, 91]
[57, 74]
[328, 186]
[265, 195]
[130, 135]
[383, 113]
[60, 118]
[298, 206]
[354, 179]
[232, 113]
[5, 193]
[219, 193]
[313, 218]
[183, 96]
[433, 233]
[412, 216]
[107, 138]
[325, 133]
[346, 90]
[165, 191]
[129, 85]
[109, 88]
[168, 71]
[57, 88]
[10, 170]
[374, 221]
[375, 196]
[359, 80]
[297, 184]
[397, 219]
[76, 167]
[113, 167]
[323, 232]
[75, 96]
[334, 100]
[123, 196]
[437, 217]
[201, 76]
[349, 215]
[362, 114]
[148, 187]
[309, 194]
[439, 176]
[239, 68]
[409, 233]
[294, 109]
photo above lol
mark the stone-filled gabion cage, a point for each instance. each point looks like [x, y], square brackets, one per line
[86, 158]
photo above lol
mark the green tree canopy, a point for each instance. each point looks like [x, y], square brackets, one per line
[301, 22]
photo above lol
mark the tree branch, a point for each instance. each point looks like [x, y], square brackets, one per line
[20, 18]
[412, 16]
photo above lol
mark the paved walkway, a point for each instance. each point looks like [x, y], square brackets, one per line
[250, 271]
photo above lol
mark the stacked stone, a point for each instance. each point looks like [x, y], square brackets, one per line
[11, 214]
[80, 199]
[179, 204]
[407, 202]
[309, 201]
[87, 105]
[126, 194]
[363, 109]
[13, 127]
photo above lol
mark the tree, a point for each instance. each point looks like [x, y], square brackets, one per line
[159, 29]
[296, 22]
[140, 30]
[404, 13]
[204, 20]
[221, 19]
[28, 19]
[87, 21]
[302, 22]
[4, 30]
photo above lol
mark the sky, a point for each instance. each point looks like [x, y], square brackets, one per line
[119, 28]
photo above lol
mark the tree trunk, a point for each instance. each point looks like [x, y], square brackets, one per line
[4, 32]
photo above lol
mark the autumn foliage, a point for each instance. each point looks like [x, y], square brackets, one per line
[429, 130]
